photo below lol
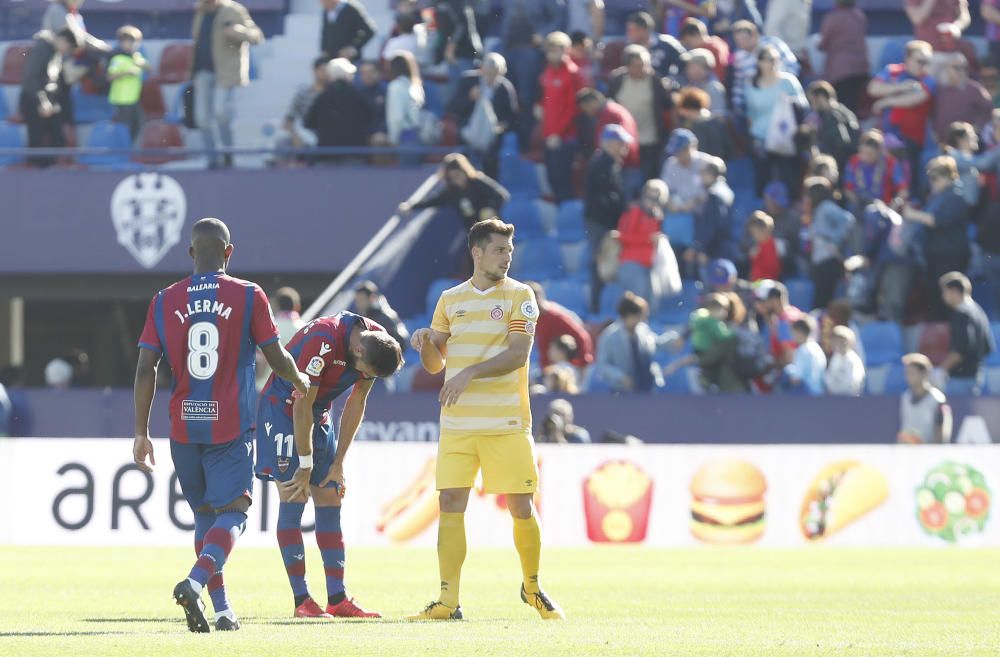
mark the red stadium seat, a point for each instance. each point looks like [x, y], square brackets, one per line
[175, 63]
[159, 134]
[935, 341]
[611, 57]
[424, 382]
[153, 105]
[13, 63]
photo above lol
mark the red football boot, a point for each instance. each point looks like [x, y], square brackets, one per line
[309, 609]
[347, 608]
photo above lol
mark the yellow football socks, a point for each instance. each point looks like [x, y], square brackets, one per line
[451, 555]
[528, 540]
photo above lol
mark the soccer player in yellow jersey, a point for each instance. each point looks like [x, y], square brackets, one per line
[482, 332]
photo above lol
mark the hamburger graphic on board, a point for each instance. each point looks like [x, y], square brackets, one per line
[727, 502]
[839, 494]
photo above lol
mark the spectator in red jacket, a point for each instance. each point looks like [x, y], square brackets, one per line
[603, 111]
[639, 232]
[765, 264]
[560, 81]
[555, 321]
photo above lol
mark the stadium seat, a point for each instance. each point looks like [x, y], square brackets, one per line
[800, 293]
[994, 358]
[175, 63]
[935, 340]
[569, 225]
[434, 98]
[993, 380]
[524, 214]
[151, 101]
[893, 52]
[107, 134]
[159, 134]
[520, 177]
[90, 108]
[538, 259]
[611, 294]
[895, 380]
[611, 58]
[13, 63]
[4, 110]
[435, 290]
[739, 175]
[11, 136]
[576, 260]
[883, 342]
[175, 111]
[675, 310]
[678, 383]
[571, 294]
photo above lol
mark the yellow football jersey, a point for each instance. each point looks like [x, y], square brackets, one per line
[478, 323]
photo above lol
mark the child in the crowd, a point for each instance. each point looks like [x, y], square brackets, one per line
[787, 225]
[764, 261]
[845, 373]
[125, 74]
[805, 372]
[708, 324]
[713, 222]
[562, 351]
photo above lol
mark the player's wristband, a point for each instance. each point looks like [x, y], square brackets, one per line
[305, 461]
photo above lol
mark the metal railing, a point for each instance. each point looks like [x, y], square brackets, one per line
[138, 154]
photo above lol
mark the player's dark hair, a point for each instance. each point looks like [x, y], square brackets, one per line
[482, 231]
[382, 352]
[287, 300]
[957, 281]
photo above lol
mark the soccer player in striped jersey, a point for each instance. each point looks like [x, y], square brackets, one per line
[208, 327]
[482, 332]
[296, 445]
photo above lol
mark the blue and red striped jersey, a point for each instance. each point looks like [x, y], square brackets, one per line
[208, 326]
[320, 349]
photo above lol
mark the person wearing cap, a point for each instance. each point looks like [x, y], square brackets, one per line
[924, 414]
[665, 51]
[682, 173]
[647, 97]
[603, 112]
[340, 115]
[699, 72]
[971, 337]
[560, 83]
[604, 197]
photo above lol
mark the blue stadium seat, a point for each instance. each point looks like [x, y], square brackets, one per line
[524, 214]
[107, 134]
[90, 108]
[434, 98]
[895, 380]
[675, 310]
[993, 380]
[883, 342]
[175, 110]
[569, 226]
[611, 294]
[800, 293]
[435, 290]
[985, 296]
[538, 259]
[520, 177]
[4, 110]
[678, 383]
[739, 174]
[993, 360]
[11, 137]
[576, 260]
[571, 294]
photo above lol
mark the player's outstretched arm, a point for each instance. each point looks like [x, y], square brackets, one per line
[144, 390]
[283, 365]
[350, 420]
[433, 348]
[513, 358]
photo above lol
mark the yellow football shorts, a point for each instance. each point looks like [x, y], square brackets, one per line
[508, 462]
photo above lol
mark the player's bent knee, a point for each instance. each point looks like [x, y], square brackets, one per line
[520, 505]
[454, 500]
[239, 505]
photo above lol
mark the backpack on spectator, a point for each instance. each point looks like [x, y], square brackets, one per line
[750, 358]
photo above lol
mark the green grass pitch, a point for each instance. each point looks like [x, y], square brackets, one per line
[620, 601]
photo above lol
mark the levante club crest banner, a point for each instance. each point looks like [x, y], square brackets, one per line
[86, 491]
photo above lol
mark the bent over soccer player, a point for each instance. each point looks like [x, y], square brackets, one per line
[207, 326]
[295, 444]
[482, 332]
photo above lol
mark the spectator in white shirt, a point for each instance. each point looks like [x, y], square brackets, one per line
[845, 373]
[805, 372]
[924, 415]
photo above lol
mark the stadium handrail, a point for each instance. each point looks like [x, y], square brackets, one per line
[358, 261]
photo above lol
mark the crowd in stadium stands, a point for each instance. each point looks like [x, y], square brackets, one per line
[754, 220]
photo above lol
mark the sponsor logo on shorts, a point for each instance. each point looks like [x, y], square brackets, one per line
[204, 411]
[315, 366]
[497, 313]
